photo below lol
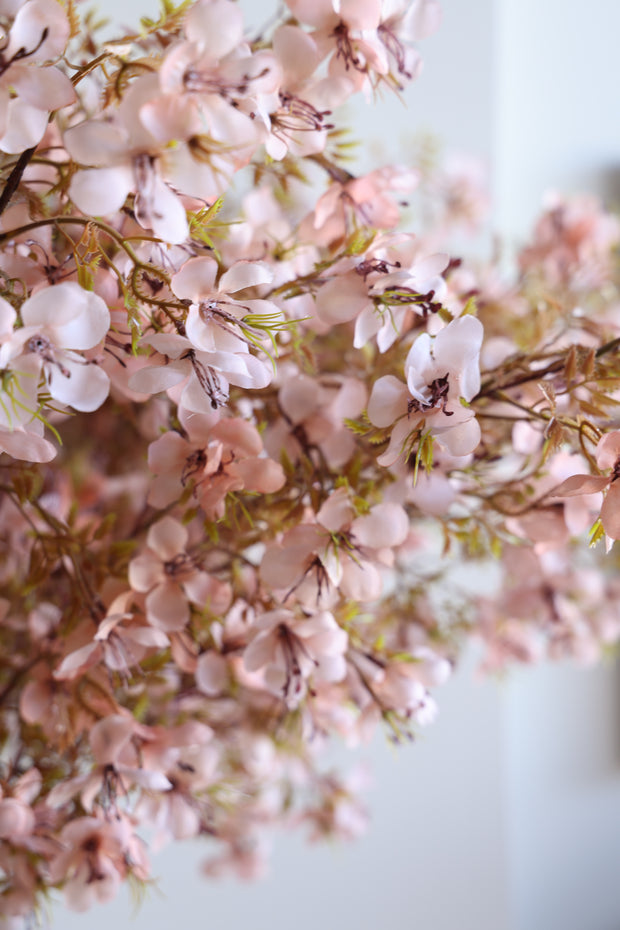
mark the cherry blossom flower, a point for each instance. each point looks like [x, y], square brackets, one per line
[215, 319]
[117, 643]
[60, 322]
[95, 856]
[607, 458]
[440, 371]
[202, 378]
[291, 651]
[340, 552]
[170, 577]
[29, 90]
[121, 156]
[313, 415]
[217, 458]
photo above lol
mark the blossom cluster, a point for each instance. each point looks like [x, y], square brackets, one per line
[249, 428]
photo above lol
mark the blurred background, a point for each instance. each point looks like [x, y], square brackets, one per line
[505, 814]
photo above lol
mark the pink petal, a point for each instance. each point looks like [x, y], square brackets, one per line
[580, 484]
[260, 651]
[361, 581]
[298, 398]
[217, 25]
[245, 274]
[317, 13]
[45, 88]
[212, 673]
[159, 208]
[166, 608]
[101, 191]
[458, 343]
[155, 378]
[21, 444]
[241, 436]
[388, 401]
[25, 127]
[297, 52]
[337, 511]
[16, 819]
[168, 453]
[196, 279]
[167, 538]
[608, 450]
[90, 322]
[108, 738]
[78, 661]
[262, 475]
[152, 781]
[359, 14]
[462, 439]
[97, 143]
[79, 385]
[341, 299]
[610, 511]
[385, 526]
[145, 571]
[147, 637]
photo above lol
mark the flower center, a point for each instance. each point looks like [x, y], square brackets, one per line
[438, 391]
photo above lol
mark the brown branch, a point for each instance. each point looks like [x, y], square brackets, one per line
[14, 178]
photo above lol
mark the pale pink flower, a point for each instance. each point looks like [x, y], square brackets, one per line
[607, 458]
[292, 651]
[201, 379]
[29, 90]
[340, 552]
[369, 200]
[218, 458]
[119, 643]
[440, 371]
[60, 322]
[96, 855]
[313, 418]
[170, 577]
[573, 243]
[120, 155]
[216, 321]
[400, 282]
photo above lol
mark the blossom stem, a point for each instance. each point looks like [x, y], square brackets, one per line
[15, 177]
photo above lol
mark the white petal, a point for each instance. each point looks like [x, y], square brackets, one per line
[216, 25]
[79, 319]
[101, 191]
[25, 127]
[81, 385]
[159, 208]
[97, 143]
[167, 538]
[388, 401]
[245, 274]
[196, 279]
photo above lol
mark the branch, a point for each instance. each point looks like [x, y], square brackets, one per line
[15, 177]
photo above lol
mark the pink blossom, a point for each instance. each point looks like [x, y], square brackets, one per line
[29, 90]
[291, 651]
[217, 458]
[440, 371]
[338, 553]
[607, 457]
[170, 577]
[59, 323]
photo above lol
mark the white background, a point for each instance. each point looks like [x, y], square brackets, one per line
[506, 815]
